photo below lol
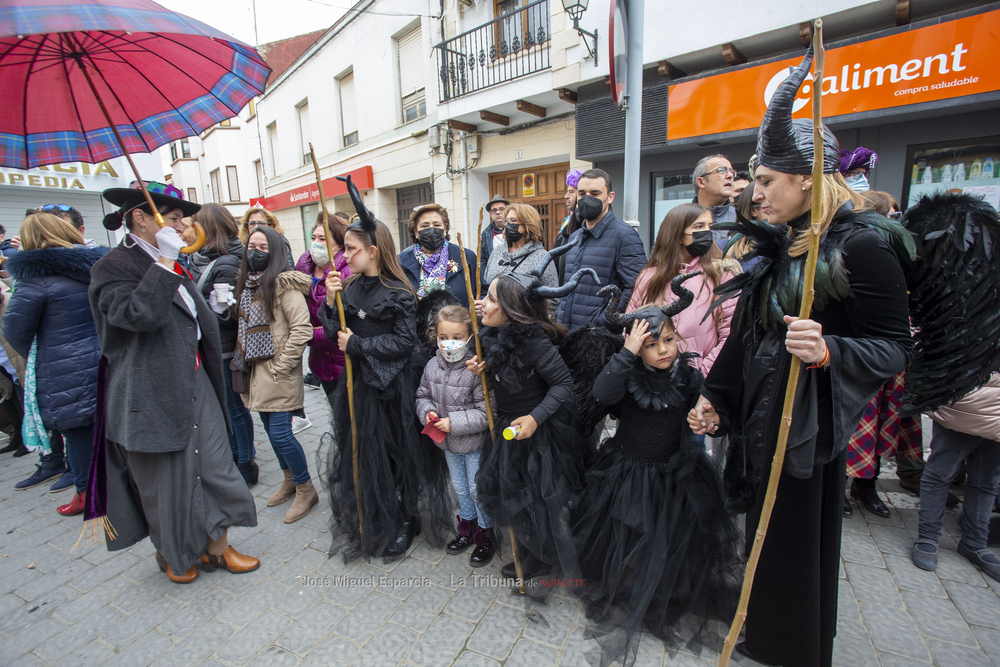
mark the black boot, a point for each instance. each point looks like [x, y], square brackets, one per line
[486, 541]
[250, 472]
[466, 529]
[12, 447]
[531, 566]
[864, 490]
[848, 509]
[403, 539]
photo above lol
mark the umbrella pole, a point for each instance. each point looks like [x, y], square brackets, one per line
[199, 231]
[486, 389]
[348, 369]
[796, 365]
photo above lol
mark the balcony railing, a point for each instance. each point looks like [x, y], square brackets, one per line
[514, 45]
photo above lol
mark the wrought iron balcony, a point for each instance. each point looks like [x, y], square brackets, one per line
[513, 45]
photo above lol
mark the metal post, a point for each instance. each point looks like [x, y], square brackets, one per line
[633, 111]
[465, 183]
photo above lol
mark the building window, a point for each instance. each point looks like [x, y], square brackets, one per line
[348, 110]
[411, 75]
[234, 183]
[216, 187]
[304, 134]
[185, 148]
[252, 108]
[259, 170]
[272, 146]
[193, 195]
[226, 123]
[173, 151]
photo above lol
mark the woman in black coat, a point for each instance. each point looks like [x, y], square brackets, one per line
[169, 473]
[432, 262]
[857, 338]
[50, 306]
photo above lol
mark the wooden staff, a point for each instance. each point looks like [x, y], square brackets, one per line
[793, 375]
[479, 258]
[347, 358]
[486, 389]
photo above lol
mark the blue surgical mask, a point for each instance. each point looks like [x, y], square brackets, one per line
[858, 183]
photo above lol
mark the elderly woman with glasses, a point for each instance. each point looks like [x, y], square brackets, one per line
[260, 217]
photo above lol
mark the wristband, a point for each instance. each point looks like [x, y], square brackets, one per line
[826, 359]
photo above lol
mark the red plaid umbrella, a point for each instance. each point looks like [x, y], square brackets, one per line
[87, 81]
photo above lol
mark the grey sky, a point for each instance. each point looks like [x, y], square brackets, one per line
[276, 19]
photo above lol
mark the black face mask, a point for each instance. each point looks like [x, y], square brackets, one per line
[431, 238]
[701, 242]
[589, 208]
[512, 233]
[257, 260]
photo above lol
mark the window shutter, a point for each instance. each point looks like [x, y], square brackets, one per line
[234, 183]
[348, 110]
[411, 73]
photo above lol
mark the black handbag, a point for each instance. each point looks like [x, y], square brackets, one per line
[241, 381]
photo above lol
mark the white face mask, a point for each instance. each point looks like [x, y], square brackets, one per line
[317, 250]
[453, 350]
[858, 183]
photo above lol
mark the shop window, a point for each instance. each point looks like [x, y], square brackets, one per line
[966, 166]
[669, 190]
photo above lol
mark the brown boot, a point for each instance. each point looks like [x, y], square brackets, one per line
[305, 498]
[284, 492]
[231, 560]
[185, 578]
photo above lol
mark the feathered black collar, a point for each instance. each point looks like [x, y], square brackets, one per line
[505, 352]
[655, 389]
[773, 287]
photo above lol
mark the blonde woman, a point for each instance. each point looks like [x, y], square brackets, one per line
[260, 217]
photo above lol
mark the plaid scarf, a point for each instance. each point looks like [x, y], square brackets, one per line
[253, 339]
[433, 269]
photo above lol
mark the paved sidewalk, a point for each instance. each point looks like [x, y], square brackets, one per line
[87, 606]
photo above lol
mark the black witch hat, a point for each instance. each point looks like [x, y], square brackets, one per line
[654, 315]
[535, 291]
[786, 145]
[366, 222]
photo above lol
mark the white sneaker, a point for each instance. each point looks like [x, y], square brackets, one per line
[300, 424]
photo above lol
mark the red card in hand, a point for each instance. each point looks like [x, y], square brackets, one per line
[435, 434]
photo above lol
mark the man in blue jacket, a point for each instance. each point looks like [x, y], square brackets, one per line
[609, 246]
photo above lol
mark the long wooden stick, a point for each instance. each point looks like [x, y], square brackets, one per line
[486, 389]
[793, 375]
[479, 258]
[198, 230]
[348, 369]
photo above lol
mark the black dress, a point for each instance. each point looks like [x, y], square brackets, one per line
[398, 478]
[531, 485]
[792, 614]
[656, 545]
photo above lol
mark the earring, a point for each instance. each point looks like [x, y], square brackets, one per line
[143, 228]
[803, 188]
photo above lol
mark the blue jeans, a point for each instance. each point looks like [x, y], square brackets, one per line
[288, 450]
[463, 468]
[948, 450]
[241, 439]
[79, 448]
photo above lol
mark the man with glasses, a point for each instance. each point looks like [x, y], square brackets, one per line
[713, 182]
[495, 207]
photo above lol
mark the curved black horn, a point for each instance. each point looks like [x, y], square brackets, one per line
[611, 313]
[684, 296]
[556, 252]
[566, 289]
[365, 216]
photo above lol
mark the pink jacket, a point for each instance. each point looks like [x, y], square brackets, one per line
[978, 413]
[706, 338]
[326, 361]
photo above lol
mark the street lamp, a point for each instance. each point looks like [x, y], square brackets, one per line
[575, 9]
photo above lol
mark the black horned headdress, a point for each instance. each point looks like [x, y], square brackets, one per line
[366, 221]
[654, 315]
[786, 145]
[535, 291]
[954, 299]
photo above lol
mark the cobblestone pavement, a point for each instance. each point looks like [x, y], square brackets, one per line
[91, 607]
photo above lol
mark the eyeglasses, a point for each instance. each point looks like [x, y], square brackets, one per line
[65, 208]
[260, 224]
[722, 170]
[895, 215]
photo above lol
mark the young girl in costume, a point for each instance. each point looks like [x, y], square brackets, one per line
[451, 398]
[656, 546]
[528, 483]
[394, 474]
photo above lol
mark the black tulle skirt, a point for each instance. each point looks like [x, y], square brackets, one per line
[658, 551]
[533, 486]
[399, 478]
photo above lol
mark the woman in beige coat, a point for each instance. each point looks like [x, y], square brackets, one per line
[273, 331]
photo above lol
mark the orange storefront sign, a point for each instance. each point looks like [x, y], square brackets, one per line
[937, 62]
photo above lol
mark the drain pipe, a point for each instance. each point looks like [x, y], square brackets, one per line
[465, 184]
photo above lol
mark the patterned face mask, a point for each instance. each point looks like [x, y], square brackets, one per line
[453, 350]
